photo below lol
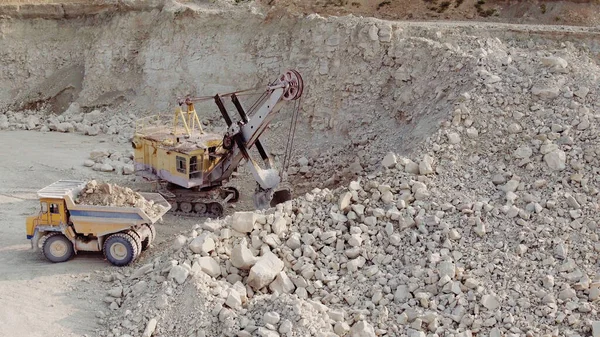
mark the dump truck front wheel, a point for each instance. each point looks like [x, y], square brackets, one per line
[56, 247]
[120, 249]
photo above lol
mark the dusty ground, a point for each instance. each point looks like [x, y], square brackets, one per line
[47, 299]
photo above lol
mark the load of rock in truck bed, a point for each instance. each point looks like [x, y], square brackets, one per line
[105, 194]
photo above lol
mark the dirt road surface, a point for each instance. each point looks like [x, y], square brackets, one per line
[40, 298]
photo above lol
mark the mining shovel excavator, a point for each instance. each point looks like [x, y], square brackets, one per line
[192, 167]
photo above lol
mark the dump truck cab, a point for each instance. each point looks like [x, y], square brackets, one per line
[52, 213]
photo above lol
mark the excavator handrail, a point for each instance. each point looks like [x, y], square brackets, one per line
[143, 124]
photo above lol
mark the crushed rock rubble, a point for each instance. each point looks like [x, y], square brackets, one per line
[105, 194]
[92, 123]
[488, 228]
[109, 160]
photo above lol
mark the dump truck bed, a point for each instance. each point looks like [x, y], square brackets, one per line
[100, 220]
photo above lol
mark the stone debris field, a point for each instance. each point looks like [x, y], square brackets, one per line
[445, 175]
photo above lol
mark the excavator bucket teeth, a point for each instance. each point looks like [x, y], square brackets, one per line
[281, 196]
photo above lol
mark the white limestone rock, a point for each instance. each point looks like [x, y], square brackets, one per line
[389, 161]
[453, 138]
[271, 317]
[243, 222]
[426, 165]
[264, 270]
[242, 257]
[150, 327]
[345, 199]
[446, 268]
[208, 265]
[490, 302]
[279, 226]
[556, 160]
[179, 274]
[202, 244]
[128, 169]
[554, 62]
[595, 328]
[234, 299]
[362, 329]
[545, 92]
[179, 242]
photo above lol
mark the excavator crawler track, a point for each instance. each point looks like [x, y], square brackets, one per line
[190, 203]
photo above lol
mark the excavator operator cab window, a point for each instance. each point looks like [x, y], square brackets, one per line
[44, 207]
[181, 164]
[193, 164]
[54, 208]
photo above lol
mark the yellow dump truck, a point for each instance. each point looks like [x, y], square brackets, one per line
[62, 227]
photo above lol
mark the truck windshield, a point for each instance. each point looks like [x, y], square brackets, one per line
[44, 207]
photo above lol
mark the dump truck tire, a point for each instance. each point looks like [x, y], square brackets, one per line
[138, 241]
[56, 247]
[120, 249]
[150, 238]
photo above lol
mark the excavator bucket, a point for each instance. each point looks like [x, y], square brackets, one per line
[262, 198]
[269, 198]
[281, 196]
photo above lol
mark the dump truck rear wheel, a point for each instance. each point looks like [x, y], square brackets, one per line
[150, 238]
[56, 247]
[120, 249]
[138, 241]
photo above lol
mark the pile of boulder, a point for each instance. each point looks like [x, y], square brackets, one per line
[489, 227]
[109, 160]
[73, 120]
[105, 194]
